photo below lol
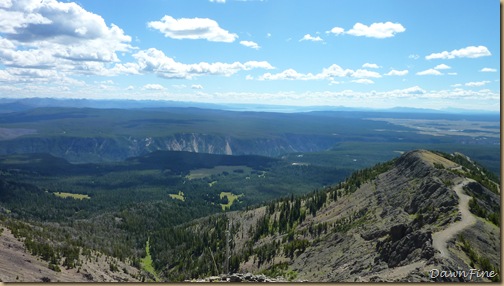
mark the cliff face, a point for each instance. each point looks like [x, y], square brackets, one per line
[410, 222]
[97, 149]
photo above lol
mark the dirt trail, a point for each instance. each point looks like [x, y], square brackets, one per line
[440, 239]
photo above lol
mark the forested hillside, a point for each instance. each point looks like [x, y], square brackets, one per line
[151, 213]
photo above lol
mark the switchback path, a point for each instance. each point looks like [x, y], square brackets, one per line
[440, 238]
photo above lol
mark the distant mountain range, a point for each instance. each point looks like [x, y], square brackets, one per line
[11, 104]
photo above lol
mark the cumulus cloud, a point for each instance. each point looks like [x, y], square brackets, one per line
[371, 66]
[155, 61]
[397, 73]
[488, 70]
[429, 72]
[192, 28]
[309, 37]
[468, 52]
[5, 4]
[65, 29]
[218, 1]
[59, 36]
[363, 81]
[442, 67]
[477, 83]
[413, 90]
[288, 74]
[153, 87]
[250, 44]
[196, 86]
[328, 73]
[337, 31]
[375, 30]
[365, 73]
[414, 56]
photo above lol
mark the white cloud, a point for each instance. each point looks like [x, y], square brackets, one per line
[452, 73]
[429, 72]
[309, 37]
[412, 90]
[288, 74]
[59, 36]
[268, 35]
[365, 73]
[468, 52]
[5, 4]
[397, 73]
[414, 56]
[337, 31]
[376, 30]
[196, 86]
[442, 67]
[153, 87]
[155, 61]
[477, 83]
[363, 81]
[328, 73]
[371, 66]
[218, 1]
[250, 44]
[130, 87]
[64, 30]
[335, 70]
[488, 70]
[456, 85]
[192, 28]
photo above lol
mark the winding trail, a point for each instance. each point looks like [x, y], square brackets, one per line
[440, 238]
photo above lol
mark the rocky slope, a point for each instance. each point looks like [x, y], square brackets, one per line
[18, 265]
[408, 220]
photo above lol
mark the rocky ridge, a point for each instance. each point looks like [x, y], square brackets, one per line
[242, 277]
[384, 229]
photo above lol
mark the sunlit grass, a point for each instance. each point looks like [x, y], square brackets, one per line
[70, 195]
[231, 198]
[179, 196]
[146, 262]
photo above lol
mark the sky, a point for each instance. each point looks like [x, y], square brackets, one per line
[358, 53]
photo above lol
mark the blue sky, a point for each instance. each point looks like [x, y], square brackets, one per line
[424, 54]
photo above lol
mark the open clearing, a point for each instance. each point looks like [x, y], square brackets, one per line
[146, 262]
[70, 195]
[231, 198]
[179, 196]
[206, 173]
